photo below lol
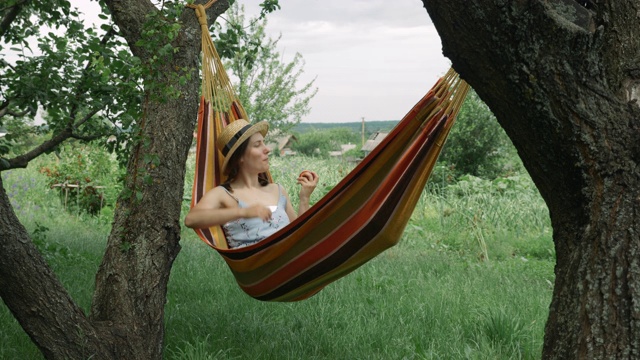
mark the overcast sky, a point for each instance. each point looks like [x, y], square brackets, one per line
[370, 58]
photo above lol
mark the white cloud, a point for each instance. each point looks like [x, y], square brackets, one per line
[371, 59]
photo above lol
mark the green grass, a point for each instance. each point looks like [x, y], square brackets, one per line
[404, 304]
[439, 294]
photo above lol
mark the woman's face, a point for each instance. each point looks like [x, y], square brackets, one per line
[256, 156]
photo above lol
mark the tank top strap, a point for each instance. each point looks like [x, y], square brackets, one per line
[282, 200]
[230, 194]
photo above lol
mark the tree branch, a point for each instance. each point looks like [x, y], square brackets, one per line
[87, 137]
[7, 111]
[11, 15]
[69, 132]
[4, 107]
[81, 89]
[23, 160]
[85, 118]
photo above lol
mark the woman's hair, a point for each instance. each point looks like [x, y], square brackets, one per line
[234, 165]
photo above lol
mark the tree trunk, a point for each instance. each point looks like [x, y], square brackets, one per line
[563, 79]
[127, 313]
[131, 284]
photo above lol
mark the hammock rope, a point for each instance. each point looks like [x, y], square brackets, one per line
[362, 216]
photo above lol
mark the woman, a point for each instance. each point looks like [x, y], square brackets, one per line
[247, 206]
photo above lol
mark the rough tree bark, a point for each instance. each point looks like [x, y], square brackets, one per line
[127, 313]
[563, 79]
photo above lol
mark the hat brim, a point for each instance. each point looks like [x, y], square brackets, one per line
[261, 127]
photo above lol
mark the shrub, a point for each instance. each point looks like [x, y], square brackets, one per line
[86, 177]
[478, 145]
[321, 142]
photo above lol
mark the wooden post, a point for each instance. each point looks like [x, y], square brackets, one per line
[363, 131]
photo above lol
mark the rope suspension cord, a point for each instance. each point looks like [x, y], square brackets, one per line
[216, 84]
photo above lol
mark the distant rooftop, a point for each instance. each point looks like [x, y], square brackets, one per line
[374, 140]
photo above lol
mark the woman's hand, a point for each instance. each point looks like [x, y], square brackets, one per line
[308, 180]
[259, 211]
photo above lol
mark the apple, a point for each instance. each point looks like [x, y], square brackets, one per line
[308, 175]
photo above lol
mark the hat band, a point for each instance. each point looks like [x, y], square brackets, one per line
[234, 139]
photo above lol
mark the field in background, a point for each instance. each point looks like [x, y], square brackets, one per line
[471, 279]
[356, 126]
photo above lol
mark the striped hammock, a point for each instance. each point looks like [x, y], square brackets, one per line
[362, 216]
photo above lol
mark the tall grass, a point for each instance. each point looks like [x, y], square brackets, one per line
[72, 244]
[489, 219]
[439, 294]
[403, 304]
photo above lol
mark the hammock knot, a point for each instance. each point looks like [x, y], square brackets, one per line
[202, 16]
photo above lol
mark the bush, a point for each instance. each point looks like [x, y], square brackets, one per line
[86, 176]
[321, 142]
[477, 145]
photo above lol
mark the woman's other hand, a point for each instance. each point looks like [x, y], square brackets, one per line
[308, 181]
[259, 211]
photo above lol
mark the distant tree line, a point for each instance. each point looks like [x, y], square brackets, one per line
[370, 127]
[476, 146]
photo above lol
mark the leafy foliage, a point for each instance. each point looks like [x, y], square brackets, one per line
[83, 77]
[477, 145]
[319, 143]
[20, 136]
[266, 84]
[160, 31]
[86, 177]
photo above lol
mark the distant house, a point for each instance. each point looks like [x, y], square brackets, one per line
[282, 144]
[343, 149]
[373, 141]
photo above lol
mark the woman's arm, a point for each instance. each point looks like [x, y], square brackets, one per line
[210, 211]
[308, 181]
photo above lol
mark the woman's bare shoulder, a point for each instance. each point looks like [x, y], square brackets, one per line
[277, 188]
[217, 191]
[273, 186]
[216, 197]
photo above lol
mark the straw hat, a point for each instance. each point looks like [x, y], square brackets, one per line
[234, 134]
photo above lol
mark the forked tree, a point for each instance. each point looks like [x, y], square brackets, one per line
[563, 79]
[127, 311]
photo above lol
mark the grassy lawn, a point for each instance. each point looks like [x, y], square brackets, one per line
[471, 279]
